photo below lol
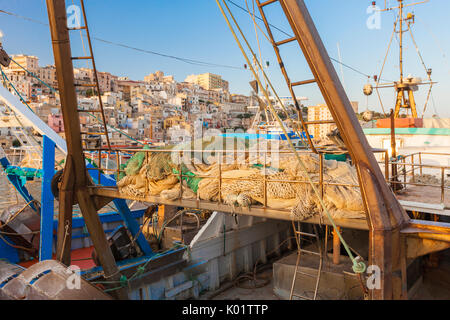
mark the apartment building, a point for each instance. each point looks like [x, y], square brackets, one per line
[320, 113]
[208, 81]
[31, 63]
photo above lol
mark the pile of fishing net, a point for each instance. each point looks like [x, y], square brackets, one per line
[429, 179]
[33, 159]
[242, 181]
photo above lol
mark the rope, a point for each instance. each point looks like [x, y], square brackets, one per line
[5, 78]
[15, 246]
[426, 70]
[33, 75]
[267, 80]
[358, 266]
[14, 216]
[382, 67]
[125, 282]
[66, 233]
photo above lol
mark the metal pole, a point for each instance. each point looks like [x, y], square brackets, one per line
[336, 247]
[47, 201]
[401, 39]
[404, 171]
[321, 168]
[386, 166]
[220, 177]
[265, 179]
[420, 161]
[394, 185]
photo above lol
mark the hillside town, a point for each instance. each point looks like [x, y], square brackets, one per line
[152, 110]
[224, 150]
[156, 110]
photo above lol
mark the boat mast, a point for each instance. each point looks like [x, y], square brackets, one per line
[75, 180]
[405, 95]
[401, 39]
[403, 88]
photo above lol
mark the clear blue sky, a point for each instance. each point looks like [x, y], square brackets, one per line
[195, 29]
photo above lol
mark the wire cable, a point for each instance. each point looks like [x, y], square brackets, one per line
[181, 59]
[185, 60]
[426, 70]
[7, 80]
[55, 91]
[290, 36]
[358, 266]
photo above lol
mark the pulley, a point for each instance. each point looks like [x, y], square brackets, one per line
[368, 89]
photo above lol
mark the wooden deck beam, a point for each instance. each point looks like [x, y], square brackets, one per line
[257, 211]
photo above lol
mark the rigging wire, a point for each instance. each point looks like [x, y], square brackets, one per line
[427, 71]
[358, 266]
[438, 43]
[290, 36]
[181, 59]
[255, 75]
[185, 60]
[382, 67]
[253, 14]
[189, 61]
[55, 91]
[7, 81]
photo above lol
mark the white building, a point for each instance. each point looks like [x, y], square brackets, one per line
[320, 113]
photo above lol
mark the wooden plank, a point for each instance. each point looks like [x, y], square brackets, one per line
[66, 200]
[98, 238]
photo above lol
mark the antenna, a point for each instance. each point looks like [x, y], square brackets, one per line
[401, 5]
[404, 87]
[340, 62]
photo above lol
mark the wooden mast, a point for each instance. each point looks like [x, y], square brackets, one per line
[75, 179]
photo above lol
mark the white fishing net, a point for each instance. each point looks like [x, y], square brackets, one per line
[242, 184]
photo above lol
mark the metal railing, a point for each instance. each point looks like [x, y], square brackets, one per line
[240, 157]
[244, 157]
[406, 168]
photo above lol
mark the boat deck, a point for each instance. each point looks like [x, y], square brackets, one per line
[425, 194]
[257, 211]
[425, 199]
[79, 257]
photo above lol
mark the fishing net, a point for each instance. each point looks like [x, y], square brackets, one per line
[240, 183]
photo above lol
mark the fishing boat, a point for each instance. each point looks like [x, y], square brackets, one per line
[184, 243]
